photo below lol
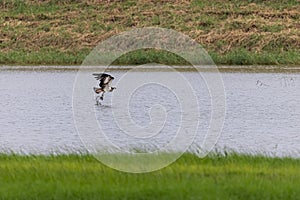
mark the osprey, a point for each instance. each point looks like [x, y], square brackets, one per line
[105, 81]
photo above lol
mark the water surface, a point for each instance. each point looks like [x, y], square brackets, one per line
[262, 112]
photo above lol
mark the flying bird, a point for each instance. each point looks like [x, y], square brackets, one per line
[104, 83]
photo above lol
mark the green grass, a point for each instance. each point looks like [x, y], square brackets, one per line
[214, 177]
[43, 57]
[236, 57]
[53, 32]
[244, 57]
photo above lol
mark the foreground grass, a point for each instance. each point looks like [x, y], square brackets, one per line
[55, 32]
[214, 177]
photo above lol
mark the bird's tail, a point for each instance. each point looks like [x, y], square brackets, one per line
[97, 90]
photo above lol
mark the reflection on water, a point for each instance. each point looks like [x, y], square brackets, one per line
[262, 113]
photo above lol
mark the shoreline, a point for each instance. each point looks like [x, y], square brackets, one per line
[140, 57]
[162, 68]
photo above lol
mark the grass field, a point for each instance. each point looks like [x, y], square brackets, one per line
[214, 177]
[54, 32]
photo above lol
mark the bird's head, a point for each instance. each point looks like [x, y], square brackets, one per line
[113, 88]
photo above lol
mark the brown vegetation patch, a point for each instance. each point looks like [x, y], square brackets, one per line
[221, 26]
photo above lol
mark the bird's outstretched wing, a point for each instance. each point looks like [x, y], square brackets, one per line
[105, 79]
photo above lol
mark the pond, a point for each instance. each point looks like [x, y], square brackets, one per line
[262, 112]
